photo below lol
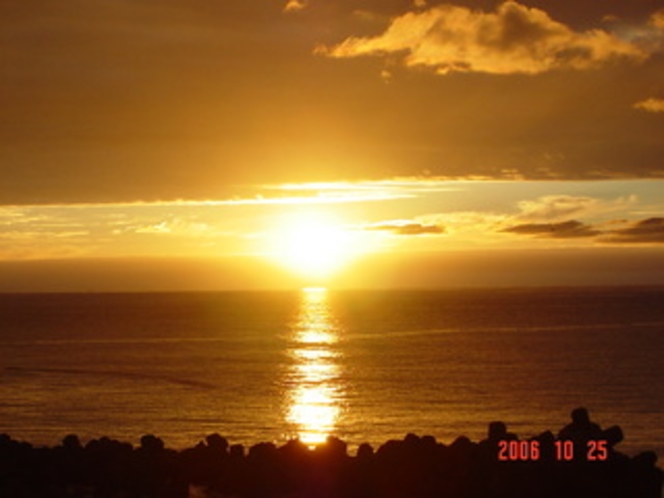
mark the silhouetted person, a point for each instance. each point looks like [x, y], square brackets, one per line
[581, 427]
[415, 467]
[613, 435]
[580, 432]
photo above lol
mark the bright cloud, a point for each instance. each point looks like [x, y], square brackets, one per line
[555, 206]
[294, 6]
[657, 19]
[561, 207]
[650, 105]
[513, 39]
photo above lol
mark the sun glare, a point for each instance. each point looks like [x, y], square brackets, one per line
[313, 244]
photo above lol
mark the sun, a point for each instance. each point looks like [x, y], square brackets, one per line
[313, 244]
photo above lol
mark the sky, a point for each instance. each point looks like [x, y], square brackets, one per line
[211, 145]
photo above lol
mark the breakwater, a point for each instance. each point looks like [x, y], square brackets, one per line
[580, 461]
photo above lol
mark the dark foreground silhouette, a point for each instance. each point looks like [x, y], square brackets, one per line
[580, 462]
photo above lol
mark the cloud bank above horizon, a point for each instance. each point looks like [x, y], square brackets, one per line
[117, 102]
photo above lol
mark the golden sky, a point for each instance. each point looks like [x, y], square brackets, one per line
[366, 143]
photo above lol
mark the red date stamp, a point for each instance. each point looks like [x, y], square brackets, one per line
[564, 450]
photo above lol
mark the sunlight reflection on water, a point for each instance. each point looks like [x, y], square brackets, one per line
[315, 391]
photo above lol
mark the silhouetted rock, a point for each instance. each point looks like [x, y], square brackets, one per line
[415, 467]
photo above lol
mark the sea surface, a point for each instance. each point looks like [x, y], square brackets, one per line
[366, 366]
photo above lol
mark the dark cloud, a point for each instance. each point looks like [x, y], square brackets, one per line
[409, 228]
[582, 14]
[646, 231]
[564, 230]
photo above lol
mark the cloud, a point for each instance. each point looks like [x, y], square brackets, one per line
[571, 229]
[513, 39]
[12, 216]
[400, 227]
[650, 230]
[650, 105]
[179, 108]
[657, 19]
[175, 226]
[294, 6]
[463, 223]
[550, 207]
[158, 228]
[647, 231]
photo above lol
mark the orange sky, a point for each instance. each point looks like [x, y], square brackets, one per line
[506, 135]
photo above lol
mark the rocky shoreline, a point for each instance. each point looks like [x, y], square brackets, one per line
[580, 461]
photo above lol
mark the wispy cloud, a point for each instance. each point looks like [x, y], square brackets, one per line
[294, 193]
[294, 5]
[650, 230]
[513, 39]
[407, 227]
[657, 19]
[177, 226]
[396, 188]
[650, 105]
[564, 230]
[465, 223]
[551, 207]
[647, 231]
[546, 217]
[158, 228]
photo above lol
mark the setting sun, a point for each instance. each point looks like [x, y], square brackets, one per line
[313, 244]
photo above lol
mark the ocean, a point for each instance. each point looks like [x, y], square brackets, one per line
[366, 366]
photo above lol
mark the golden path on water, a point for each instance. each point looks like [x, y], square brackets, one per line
[313, 377]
